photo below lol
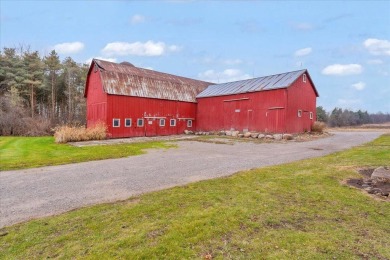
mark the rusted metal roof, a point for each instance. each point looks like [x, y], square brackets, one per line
[277, 81]
[127, 80]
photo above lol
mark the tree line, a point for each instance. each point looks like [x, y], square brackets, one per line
[345, 117]
[39, 92]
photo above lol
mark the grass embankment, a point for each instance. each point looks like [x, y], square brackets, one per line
[29, 152]
[291, 211]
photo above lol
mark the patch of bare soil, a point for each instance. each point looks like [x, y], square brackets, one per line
[375, 186]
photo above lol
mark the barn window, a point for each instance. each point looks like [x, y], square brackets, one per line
[162, 122]
[116, 122]
[299, 113]
[172, 122]
[189, 123]
[311, 115]
[127, 122]
[304, 78]
[140, 122]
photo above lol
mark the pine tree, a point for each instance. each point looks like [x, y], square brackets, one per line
[52, 68]
[34, 76]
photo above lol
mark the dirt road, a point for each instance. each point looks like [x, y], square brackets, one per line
[39, 192]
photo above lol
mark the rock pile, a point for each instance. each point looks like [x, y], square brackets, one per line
[377, 181]
[277, 137]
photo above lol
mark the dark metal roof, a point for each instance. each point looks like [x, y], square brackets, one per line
[277, 81]
[128, 80]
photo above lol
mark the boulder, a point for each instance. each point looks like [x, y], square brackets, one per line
[240, 135]
[188, 132]
[288, 137]
[269, 137]
[228, 133]
[381, 173]
[278, 136]
[254, 135]
[221, 133]
[235, 133]
[260, 136]
[247, 134]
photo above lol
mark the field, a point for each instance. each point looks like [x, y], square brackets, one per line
[29, 152]
[297, 210]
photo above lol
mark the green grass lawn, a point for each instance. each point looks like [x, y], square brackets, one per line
[28, 152]
[292, 211]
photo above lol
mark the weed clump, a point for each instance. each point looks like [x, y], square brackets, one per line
[318, 127]
[64, 134]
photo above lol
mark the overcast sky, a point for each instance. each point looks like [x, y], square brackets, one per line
[345, 45]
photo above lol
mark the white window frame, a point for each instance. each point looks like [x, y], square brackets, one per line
[140, 120]
[113, 122]
[172, 124]
[299, 113]
[126, 125]
[162, 122]
[304, 78]
[189, 123]
[311, 115]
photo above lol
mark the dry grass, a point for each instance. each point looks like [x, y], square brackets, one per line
[318, 127]
[64, 134]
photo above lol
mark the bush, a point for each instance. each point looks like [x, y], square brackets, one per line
[318, 127]
[64, 134]
[15, 120]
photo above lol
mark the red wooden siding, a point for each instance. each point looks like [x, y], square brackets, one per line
[271, 111]
[96, 101]
[301, 96]
[257, 111]
[151, 111]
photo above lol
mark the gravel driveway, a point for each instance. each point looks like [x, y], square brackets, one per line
[32, 193]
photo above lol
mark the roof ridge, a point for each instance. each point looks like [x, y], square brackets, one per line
[242, 80]
[151, 71]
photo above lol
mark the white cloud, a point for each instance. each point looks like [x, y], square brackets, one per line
[303, 52]
[137, 19]
[69, 47]
[375, 61]
[377, 47]
[359, 85]
[342, 70]
[148, 48]
[227, 75]
[100, 58]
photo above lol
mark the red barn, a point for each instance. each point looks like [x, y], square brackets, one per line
[282, 103]
[133, 101]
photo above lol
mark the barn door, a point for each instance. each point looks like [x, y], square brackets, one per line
[228, 115]
[306, 121]
[150, 127]
[235, 114]
[275, 119]
[249, 119]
